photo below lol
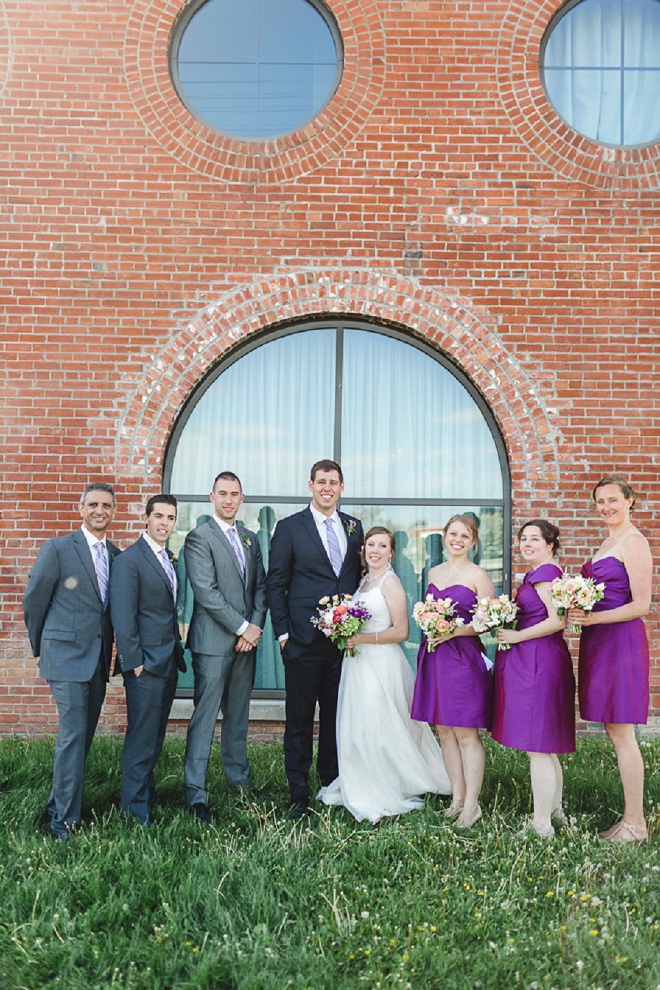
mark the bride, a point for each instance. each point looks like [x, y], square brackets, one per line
[387, 762]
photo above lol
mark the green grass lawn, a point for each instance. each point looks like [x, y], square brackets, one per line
[254, 902]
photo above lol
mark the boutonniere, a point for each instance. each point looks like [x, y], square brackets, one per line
[350, 525]
[247, 542]
[173, 558]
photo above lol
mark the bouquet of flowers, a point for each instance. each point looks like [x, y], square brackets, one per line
[436, 617]
[494, 613]
[575, 592]
[340, 618]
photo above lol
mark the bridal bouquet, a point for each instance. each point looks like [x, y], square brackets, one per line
[495, 613]
[436, 617]
[340, 618]
[575, 592]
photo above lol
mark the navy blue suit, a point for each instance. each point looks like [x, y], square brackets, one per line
[299, 575]
[144, 614]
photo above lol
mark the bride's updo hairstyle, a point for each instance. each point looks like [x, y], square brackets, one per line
[549, 532]
[470, 524]
[376, 531]
[614, 479]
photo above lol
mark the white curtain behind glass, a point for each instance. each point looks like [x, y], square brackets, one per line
[591, 70]
[409, 428]
[268, 418]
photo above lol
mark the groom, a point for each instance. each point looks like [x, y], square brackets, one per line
[314, 553]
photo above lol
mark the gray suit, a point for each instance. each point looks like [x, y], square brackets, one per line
[146, 626]
[223, 677]
[71, 633]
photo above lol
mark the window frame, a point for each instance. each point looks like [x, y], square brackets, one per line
[176, 36]
[557, 17]
[302, 498]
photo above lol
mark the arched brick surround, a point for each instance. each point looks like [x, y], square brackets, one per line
[467, 337]
[229, 159]
[569, 154]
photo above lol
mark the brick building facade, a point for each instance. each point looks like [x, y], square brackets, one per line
[438, 192]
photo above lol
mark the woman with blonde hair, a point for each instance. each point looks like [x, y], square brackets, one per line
[454, 685]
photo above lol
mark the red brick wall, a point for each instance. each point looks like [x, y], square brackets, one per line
[437, 191]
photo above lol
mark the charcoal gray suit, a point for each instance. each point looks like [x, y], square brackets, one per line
[71, 634]
[224, 601]
[144, 615]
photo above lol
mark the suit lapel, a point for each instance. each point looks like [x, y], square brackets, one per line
[85, 554]
[151, 559]
[227, 547]
[310, 526]
[350, 537]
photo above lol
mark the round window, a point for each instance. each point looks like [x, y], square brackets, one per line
[258, 68]
[600, 67]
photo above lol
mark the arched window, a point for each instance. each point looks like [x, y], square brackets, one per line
[416, 442]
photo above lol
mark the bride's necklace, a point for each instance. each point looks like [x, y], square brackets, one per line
[370, 577]
[615, 536]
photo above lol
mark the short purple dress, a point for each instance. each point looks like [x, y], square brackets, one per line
[534, 684]
[454, 685]
[613, 673]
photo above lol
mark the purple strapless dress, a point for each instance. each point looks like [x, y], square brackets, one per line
[534, 684]
[613, 673]
[454, 685]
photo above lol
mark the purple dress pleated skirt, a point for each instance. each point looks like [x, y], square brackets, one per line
[534, 684]
[613, 672]
[454, 685]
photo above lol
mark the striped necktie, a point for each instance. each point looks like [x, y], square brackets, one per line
[168, 567]
[238, 549]
[333, 547]
[101, 568]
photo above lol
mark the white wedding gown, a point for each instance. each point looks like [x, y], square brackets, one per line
[387, 762]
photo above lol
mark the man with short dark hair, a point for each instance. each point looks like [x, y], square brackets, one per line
[226, 573]
[68, 621]
[143, 603]
[314, 553]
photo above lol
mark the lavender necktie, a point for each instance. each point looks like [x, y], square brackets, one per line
[101, 568]
[333, 547]
[238, 549]
[168, 567]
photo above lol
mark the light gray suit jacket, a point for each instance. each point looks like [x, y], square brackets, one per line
[223, 600]
[68, 624]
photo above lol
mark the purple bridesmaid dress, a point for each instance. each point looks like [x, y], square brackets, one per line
[613, 672]
[454, 685]
[534, 684]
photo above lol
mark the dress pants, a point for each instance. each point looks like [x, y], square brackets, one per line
[79, 705]
[148, 703]
[221, 683]
[308, 678]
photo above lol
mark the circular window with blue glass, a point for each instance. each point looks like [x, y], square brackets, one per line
[256, 69]
[600, 67]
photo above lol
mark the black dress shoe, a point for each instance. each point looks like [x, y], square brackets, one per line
[201, 812]
[299, 810]
[60, 836]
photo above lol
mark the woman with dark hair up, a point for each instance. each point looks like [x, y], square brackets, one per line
[534, 689]
[613, 672]
[454, 686]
